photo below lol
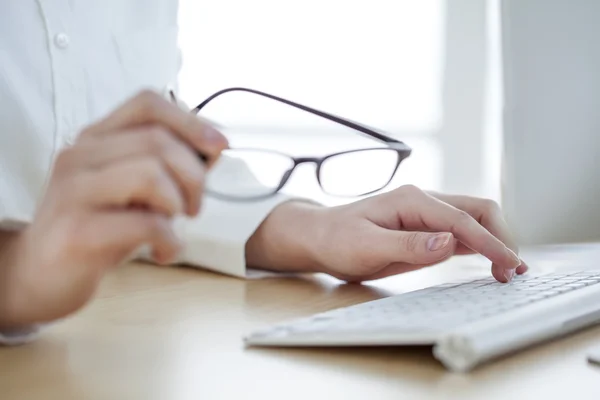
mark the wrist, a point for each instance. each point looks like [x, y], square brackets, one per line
[288, 240]
[11, 259]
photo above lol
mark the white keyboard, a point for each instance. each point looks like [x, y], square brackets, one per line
[468, 322]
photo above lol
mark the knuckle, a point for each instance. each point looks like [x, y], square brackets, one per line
[156, 225]
[152, 177]
[490, 206]
[196, 175]
[156, 139]
[147, 96]
[191, 123]
[189, 169]
[463, 216]
[411, 241]
[157, 185]
[195, 181]
[159, 230]
[150, 100]
[410, 190]
[461, 219]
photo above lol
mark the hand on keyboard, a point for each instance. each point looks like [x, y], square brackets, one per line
[407, 229]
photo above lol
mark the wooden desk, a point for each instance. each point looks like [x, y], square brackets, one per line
[176, 333]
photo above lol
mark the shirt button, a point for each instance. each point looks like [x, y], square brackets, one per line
[62, 40]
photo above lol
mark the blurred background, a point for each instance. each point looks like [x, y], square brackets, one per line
[476, 88]
[419, 70]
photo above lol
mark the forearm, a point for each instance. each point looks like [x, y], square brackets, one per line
[288, 239]
[10, 258]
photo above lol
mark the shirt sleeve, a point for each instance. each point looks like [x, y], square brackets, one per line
[17, 201]
[216, 239]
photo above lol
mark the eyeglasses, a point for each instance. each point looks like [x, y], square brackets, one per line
[246, 174]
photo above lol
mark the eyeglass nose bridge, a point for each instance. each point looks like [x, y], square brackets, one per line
[306, 160]
[298, 161]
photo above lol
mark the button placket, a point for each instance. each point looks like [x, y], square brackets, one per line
[54, 15]
[62, 40]
[66, 69]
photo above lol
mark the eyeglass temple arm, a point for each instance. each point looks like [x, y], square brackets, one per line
[350, 124]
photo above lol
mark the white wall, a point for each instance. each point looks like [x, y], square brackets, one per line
[551, 166]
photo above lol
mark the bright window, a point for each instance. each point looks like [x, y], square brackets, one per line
[380, 62]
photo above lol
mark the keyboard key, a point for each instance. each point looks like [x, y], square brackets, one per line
[587, 273]
[550, 293]
[541, 281]
[589, 281]
[534, 289]
[564, 289]
[548, 285]
[525, 301]
[575, 285]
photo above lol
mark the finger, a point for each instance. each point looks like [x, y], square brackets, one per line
[490, 216]
[113, 236]
[150, 108]
[461, 249]
[141, 181]
[522, 269]
[424, 210]
[181, 162]
[487, 212]
[419, 248]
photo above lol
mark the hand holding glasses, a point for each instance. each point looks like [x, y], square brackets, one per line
[345, 174]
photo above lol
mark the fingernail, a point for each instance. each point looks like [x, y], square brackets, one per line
[515, 258]
[522, 269]
[438, 242]
[509, 274]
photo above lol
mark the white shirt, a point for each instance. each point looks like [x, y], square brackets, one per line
[66, 63]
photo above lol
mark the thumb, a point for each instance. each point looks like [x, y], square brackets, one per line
[422, 248]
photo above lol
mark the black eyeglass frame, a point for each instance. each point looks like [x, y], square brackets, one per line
[402, 149]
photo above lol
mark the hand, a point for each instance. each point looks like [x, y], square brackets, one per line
[399, 231]
[113, 191]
